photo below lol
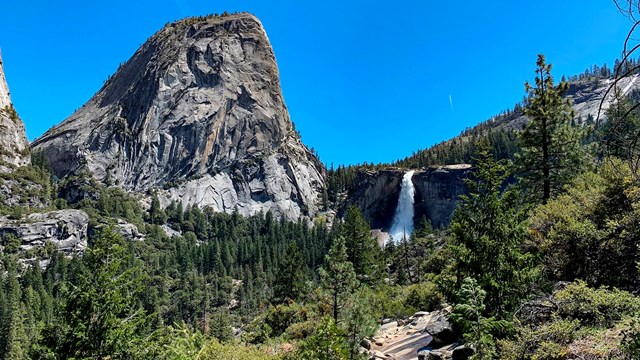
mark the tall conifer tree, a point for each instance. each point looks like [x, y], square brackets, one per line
[338, 277]
[488, 231]
[551, 148]
[289, 281]
[362, 249]
[13, 338]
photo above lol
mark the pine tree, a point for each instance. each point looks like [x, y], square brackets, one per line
[488, 231]
[13, 338]
[362, 249]
[289, 281]
[618, 134]
[325, 199]
[551, 148]
[326, 343]
[17, 340]
[220, 325]
[337, 277]
[424, 227]
[476, 328]
[102, 313]
[156, 214]
[359, 323]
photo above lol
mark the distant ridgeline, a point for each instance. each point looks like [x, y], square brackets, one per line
[500, 131]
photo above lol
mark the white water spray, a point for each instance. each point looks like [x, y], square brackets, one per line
[402, 225]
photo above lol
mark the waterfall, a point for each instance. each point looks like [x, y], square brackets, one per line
[402, 225]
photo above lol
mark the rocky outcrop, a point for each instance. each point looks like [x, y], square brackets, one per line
[441, 330]
[376, 194]
[437, 190]
[586, 97]
[198, 112]
[288, 187]
[14, 147]
[128, 231]
[5, 98]
[425, 335]
[22, 193]
[66, 229]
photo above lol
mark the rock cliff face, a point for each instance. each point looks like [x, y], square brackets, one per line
[66, 229]
[14, 147]
[437, 190]
[587, 97]
[198, 111]
[376, 194]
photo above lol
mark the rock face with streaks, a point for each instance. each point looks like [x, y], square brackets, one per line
[197, 114]
[66, 229]
[587, 99]
[437, 190]
[14, 147]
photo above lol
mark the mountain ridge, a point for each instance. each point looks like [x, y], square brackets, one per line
[586, 94]
[14, 146]
[200, 98]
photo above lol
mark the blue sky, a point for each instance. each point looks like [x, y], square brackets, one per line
[364, 80]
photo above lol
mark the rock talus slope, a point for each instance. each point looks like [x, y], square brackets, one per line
[14, 147]
[198, 114]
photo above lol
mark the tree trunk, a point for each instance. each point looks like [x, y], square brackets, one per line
[546, 176]
[335, 307]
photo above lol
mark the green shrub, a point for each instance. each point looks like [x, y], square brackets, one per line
[551, 351]
[213, 350]
[631, 340]
[300, 330]
[279, 318]
[274, 322]
[594, 319]
[561, 331]
[182, 343]
[600, 307]
[386, 301]
[590, 232]
[424, 297]
[10, 243]
[547, 341]
[327, 343]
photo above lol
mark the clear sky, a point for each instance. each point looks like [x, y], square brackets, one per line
[364, 80]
